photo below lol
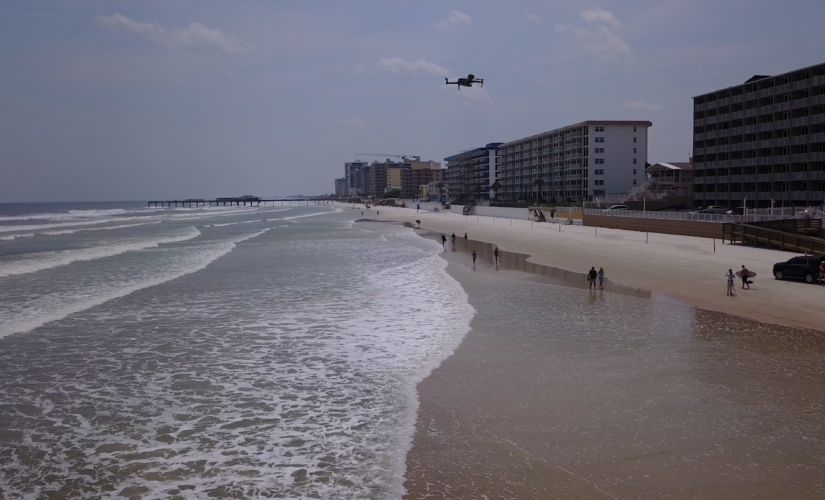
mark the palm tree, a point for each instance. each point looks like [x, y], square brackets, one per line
[538, 182]
[495, 187]
[440, 187]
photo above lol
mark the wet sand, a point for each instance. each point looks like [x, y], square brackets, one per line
[560, 392]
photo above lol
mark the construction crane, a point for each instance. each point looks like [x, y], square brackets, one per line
[383, 155]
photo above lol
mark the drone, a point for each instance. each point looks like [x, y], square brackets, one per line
[465, 82]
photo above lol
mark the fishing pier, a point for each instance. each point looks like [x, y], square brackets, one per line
[241, 201]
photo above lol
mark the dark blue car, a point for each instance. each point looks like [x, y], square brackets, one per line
[806, 268]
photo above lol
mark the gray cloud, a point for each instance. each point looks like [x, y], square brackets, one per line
[399, 66]
[533, 18]
[196, 35]
[598, 34]
[355, 122]
[453, 17]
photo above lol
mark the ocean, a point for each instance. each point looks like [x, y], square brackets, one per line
[246, 352]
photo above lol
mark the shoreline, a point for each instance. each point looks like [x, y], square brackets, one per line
[502, 417]
[685, 269]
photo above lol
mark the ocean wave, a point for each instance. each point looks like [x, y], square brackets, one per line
[47, 260]
[38, 227]
[72, 231]
[312, 398]
[305, 215]
[37, 315]
[15, 236]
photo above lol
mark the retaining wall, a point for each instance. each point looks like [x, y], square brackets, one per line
[503, 212]
[682, 227]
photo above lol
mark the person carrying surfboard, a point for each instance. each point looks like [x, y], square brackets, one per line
[744, 273]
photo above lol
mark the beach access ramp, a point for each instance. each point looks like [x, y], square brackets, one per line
[790, 235]
[538, 214]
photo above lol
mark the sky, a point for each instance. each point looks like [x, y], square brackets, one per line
[113, 100]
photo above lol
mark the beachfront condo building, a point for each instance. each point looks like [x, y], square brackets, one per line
[575, 163]
[341, 187]
[471, 174]
[353, 173]
[413, 178]
[761, 143]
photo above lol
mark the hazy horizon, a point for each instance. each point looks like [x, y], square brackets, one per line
[122, 101]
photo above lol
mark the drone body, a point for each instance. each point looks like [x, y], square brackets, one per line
[465, 82]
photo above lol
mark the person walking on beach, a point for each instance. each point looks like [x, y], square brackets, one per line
[601, 278]
[744, 273]
[443, 240]
[465, 236]
[452, 238]
[552, 213]
[591, 278]
[495, 254]
[474, 258]
[730, 289]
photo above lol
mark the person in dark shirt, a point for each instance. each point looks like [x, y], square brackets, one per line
[591, 278]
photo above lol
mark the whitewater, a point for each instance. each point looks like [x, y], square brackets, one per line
[221, 353]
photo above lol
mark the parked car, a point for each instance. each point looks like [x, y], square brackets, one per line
[617, 207]
[715, 209]
[736, 211]
[806, 268]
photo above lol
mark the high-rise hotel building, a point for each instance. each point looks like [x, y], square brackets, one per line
[761, 142]
[578, 162]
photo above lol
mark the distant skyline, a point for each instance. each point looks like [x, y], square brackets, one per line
[112, 100]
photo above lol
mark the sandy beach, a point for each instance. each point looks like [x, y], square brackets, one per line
[681, 267]
[659, 387]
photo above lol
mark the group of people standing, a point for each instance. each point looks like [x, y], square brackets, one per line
[594, 275]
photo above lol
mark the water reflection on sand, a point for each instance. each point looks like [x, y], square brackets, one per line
[566, 393]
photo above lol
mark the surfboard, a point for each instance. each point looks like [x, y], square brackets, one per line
[751, 274]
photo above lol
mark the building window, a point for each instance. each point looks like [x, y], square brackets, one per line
[601, 139]
[634, 170]
[634, 182]
[634, 129]
[634, 139]
[599, 161]
[599, 150]
[598, 183]
[634, 150]
[634, 162]
[598, 171]
[599, 129]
